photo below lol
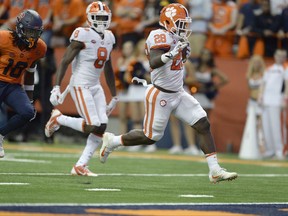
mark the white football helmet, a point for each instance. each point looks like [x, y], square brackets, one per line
[98, 16]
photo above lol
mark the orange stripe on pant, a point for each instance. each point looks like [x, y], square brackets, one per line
[151, 117]
[81, 101]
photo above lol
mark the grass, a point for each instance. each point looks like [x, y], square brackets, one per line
[46, 170]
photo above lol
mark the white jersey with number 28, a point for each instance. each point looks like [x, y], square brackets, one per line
[170, 75]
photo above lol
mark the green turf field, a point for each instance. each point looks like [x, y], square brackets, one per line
[38, 173]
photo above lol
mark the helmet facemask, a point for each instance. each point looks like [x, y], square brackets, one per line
[29, 27]
[28, 35]
[98, 16]
[100, 22]
[181, 28]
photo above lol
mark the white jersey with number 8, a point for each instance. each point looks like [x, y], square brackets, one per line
[89, 63]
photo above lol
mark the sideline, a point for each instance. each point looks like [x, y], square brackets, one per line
[155, 155]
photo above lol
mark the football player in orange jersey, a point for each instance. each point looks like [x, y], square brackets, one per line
[20, 49]
[167, 49]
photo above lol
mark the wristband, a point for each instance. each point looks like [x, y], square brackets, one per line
[29, 87]
[32, 70]
[166, 57]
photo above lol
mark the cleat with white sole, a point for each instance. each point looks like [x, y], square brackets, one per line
[82, 171]
[221, 174]
[107, 147]
[52, 125]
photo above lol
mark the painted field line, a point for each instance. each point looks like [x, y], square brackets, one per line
[44, 154]
[103, 189]
[149, 175]
[37, 174]
[25, 160]
[13, 183]
[141, 204]
[195, 196]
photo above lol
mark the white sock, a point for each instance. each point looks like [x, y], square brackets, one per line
[91, 145]
[117, 141]
[74, 123]
[212, 161]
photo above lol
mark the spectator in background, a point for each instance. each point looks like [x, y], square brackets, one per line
[254, 76]
[277, 6]
[266, 26]
[201, 13]
[123, 82]
[47, 66]
[14, 8]
[150, 17]
[283, 32]
[273, 99]
[67, 15]
[209, 79]
[3, 14]
[245, 22]
[221, 27]
[128, 15]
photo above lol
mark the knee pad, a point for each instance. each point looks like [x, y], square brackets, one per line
[202, 126]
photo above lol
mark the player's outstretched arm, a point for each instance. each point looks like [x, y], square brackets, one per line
[72, 50]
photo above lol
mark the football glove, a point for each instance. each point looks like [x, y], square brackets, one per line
[171, 54]
[111, 106]
[55, 95]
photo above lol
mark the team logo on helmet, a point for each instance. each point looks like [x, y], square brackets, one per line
[170, 12]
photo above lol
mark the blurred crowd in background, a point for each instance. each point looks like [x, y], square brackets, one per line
[221, 28]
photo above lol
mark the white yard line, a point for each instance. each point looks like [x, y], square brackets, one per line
[43, 154]
[103, 189]
[25, 160]
[13, 183]
[140, 204]
[195, 196]
[149, 175]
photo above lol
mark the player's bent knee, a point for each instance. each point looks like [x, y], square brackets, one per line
[202, 126]
[100, 130]
[157, 137]
[97, 130]
[148, 141]
[28, 114]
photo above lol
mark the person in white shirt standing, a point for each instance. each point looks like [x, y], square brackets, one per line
[89, 52]
[201, 13]
[167, 48]
[273, 98]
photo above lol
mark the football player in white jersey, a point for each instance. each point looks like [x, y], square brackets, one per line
[89, 52]
[167, 49]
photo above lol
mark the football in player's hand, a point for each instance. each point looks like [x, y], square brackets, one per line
[184, 54]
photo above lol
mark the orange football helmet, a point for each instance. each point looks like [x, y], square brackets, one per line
[175, 19]
[98, 16]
